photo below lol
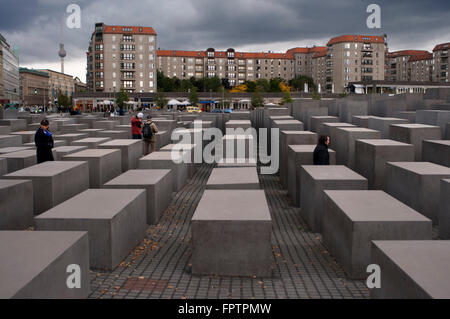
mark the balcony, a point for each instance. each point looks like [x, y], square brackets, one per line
[367, 48]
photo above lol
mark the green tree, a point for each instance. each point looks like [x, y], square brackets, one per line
[193, 97]
[257, 99]
[315, 95]
[161, 100]
[121, 98]
[63, 100]
[263, 85]
[251, 86]
[298, 83]
[274, 85]
[286, 98]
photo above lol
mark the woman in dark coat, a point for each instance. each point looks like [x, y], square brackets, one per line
[44, 143]
[321, 155]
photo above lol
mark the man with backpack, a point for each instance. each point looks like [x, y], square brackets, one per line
[149, 130]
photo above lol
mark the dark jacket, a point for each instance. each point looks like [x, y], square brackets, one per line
[44, 145]
[321, 156]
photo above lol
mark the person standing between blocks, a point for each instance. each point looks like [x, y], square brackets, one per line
[43, 140]
[321, 155]
[149, 131]
[136, 126]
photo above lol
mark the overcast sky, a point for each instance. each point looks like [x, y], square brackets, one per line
[252, 25]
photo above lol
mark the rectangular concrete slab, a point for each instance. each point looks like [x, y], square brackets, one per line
[412, 269]
[433, 117]
[382, 124]
[231, 234]
[233, 178]
[27, 136]
[436, 151]
[16, 204]
[10, 140]
[444, 209]
[20, 160]
[33, 265]
[105, 125]
[131, 151]
[168, 160]
[297, 156]
[115, 135]
[104, 164]
[72, 128]
[54, 182]
[314, 180]
[62, 151]
[91, 142]
[91, 132]
[10, 149]
[115, 219]
[71, 137]
[352, 219]
[316, 121]
[417, 184]
[158, 184]
[414, 134]
[371, 156]
[14, 124]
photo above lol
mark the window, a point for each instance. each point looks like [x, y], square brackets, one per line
[150, 39]
[151, 84]
[150, 75]
[347, 45]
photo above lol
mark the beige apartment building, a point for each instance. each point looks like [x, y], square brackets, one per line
[303, 59]
[237, 67]
[34, 87]
[398, 66]
[319, 69]
[121, 57]
[58, 83]
[352, 58]
[440, 58]
[420, 68]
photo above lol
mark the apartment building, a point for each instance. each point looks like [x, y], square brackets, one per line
[58, 83]
[237, 67]
[319, 68]
[303, 59]
[9, 73]
[352, 58]
[420, 68]
[34, 87]
[398, 67]
[440, 58]
[121, 57]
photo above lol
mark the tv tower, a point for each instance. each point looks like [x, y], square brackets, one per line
[62, 53]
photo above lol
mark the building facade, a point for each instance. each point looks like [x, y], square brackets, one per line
[353, 58]
[58, 83]
[9, 70]
[34, 87]
[121, 57]
[237, 67]
[420, 68]
[319, 69]
[399, 64]
[440, 58]
[303, 59]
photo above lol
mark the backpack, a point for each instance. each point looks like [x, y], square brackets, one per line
[147, 131]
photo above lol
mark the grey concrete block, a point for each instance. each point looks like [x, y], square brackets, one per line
[10, 140]
[287, 125]
[188, 150]
[20, 160]
[351, 108]
[105, 125]
[104, 164]
[417, 184]
[158, 184]
[239, 146]
[27, 136]
[165, 160]
[344, 143]
[352, 219]
[33, 265]
[62, 151]
[433, 117]
[115, 219]
[372, 155]
[317, 120]
[71, 137]
[8, 114]
[16, 208]
[361, 120]
[444, 209]
[231, 234]
[436, 151]
[245, 124]
[240, 115]
[3, 166]
[5, 130]
[15, 124]
[115, 135]
[292, 138]
[10, 149]
[297, 156]
[314, 180]
[91, 132]
[329, 129]
[382, 124]
[414, 134]
[131, 151]
[233, 178]
[407, 115]
[447, 131]
[72, 128]
[91, 142]
[89, 121]
[54, 182]
[412, 269]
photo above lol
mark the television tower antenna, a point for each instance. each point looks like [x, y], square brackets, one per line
[61, 53]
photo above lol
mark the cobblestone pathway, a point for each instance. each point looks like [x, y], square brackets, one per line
[159, 267]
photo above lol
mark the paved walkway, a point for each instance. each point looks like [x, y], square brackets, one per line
[159, 267]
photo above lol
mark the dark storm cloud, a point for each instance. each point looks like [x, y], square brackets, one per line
[33, 26]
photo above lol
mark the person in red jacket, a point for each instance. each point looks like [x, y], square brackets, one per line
[136, 126]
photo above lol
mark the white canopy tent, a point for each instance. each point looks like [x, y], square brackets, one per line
[173, 102]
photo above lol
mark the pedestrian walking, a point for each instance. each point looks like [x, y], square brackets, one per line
[149, 131]
[43, 140]
[321, 155]
[136, 126]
